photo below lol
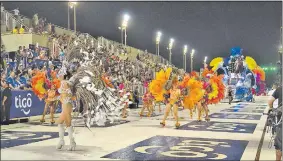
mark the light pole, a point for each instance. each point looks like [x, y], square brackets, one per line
[185, 57]
[124, 27]
[170, 50]
[72, 5]
[122, 38]
[192, 57]
[158, 37]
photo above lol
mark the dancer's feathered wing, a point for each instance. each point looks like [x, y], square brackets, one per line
[156, 86]
[192, 91]
[100, 101]
[218, 91]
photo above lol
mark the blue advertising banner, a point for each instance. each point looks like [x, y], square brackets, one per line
[25, 104]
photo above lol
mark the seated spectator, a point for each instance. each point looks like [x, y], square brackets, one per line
[22, 30]
[11, 80]
[15, 30]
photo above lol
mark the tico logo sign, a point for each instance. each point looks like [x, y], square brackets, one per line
[24, 103]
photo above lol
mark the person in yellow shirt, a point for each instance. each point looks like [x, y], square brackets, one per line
[21, 30]
[15, 30]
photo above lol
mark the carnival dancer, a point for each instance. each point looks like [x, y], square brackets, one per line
[214, 92]
[175, 101]
[50, 102]
[192, 92]
[65, 116]
[101, 103]
[147, 103]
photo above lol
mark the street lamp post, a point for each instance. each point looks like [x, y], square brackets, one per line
[192, 57]
[170, 50]
[185, 57]
[158, 37]
[124, 27]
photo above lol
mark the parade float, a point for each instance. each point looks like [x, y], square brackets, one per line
[241, 74]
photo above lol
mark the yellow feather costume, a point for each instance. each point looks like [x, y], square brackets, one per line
[156, 86]
[194, 91]
[215, 63]
[251, 63]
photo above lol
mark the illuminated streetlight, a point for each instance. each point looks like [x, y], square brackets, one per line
[185, 57]
[157, 41]
[170, 49]
[123, 27]
[158, 37]
[192, 57]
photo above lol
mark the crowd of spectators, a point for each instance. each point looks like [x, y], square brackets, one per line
[19, 68]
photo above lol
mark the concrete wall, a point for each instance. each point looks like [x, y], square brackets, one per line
[13, 41]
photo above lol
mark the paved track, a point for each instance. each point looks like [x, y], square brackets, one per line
[234, 133]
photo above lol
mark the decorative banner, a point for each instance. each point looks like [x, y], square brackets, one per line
[181, 148]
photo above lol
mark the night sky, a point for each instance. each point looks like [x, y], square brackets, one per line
[211, 28]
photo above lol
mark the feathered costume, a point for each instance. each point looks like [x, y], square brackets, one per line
[238, 72]
[100, 100]
[41, 87]
[156, 86]
[213, 86]
[192, 91]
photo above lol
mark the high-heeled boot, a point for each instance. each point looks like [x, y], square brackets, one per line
[61, 136]
[73, 144]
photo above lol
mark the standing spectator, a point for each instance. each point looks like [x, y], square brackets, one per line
[16, 12]
[61, 55]
[136, 97]
[17, 17]
[18, 56]
[6, 102]
[52, 29]
[278, 136]
[35, 22]
[35, 53]
[24, 57]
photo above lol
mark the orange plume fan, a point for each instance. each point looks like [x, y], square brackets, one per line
[259, 71]
[194, 91]
[220, 94]
[37, 83]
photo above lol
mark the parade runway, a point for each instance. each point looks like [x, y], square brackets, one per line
[234, 133]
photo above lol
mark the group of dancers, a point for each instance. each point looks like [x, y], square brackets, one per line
[190, 91]
[90, 85]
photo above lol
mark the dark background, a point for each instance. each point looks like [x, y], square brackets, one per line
[211, 28]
